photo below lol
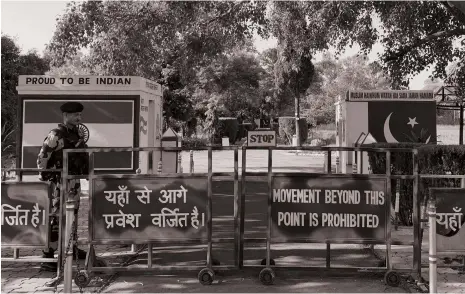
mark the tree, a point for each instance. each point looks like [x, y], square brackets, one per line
[415, 34]
[13, 65]
[294, 68]
[138, 38]
[229, 86]
[169, 42]
[334, 78]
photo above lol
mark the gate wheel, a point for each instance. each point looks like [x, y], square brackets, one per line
[267, 276]
[82, 279]
[392, 278]
[206, 276]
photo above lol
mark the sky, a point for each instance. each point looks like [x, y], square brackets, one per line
[32, 24]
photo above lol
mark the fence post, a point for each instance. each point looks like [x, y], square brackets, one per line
[68, 269]
[180, 161]
[159, 167]
[433, 288]
[191, 164]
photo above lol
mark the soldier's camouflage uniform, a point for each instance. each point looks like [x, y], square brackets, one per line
[51, 157]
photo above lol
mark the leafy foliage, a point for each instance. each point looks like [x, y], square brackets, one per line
[416, 34]
[334, 78]
[14, 64]
[287, 129]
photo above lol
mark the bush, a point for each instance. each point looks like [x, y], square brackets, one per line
[287, 129]
[432, 159]
[194, 142]
[228, 127]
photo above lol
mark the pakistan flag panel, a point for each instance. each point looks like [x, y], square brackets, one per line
[402, 121]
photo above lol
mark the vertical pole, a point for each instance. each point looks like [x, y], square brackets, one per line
[270, 200]
[461, 124]
[90, 217]
[180, 161]
[388, 211]
[191, 164]
[209, 209]
[416, 218]
[149, 255]
[61, 221]
[328, 255]
[433, 287]
[297, 118]
[242, 208]
[236, 207]
[328, 163]
[68, 270]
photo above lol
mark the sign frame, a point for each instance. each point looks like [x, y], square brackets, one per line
[386, 206]
[389, 95]
[434, 192]
[109, 241]
[48, 186]
[263, 144]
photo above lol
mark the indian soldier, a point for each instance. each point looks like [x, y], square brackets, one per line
[65, 136]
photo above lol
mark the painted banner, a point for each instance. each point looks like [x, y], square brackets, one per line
[262, 138]
[110, 124]
[149, 208]
[450, 219]
[390, 95]
[402, 121]
[327, 207]
[25, 214]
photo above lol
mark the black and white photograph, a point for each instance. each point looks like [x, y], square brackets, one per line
[232, 146]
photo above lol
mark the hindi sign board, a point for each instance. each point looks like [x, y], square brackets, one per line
[148, 208]
[261, 138]
[450, 218]
[323, 208]
[25, 214]
[367, 95]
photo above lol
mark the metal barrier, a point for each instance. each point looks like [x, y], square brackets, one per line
[42, 242]
[267, 275]
[199, 187]
[392, 277]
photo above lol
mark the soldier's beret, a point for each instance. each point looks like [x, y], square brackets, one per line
[72, 107]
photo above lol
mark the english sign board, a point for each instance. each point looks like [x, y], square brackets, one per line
[322, 208]
[261, 138]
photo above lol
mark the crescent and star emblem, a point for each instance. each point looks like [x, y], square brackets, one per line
[387, 129]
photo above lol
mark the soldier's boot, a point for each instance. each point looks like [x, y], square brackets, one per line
[49, 266]
[81, 254]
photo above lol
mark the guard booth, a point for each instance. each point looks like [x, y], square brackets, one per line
[391, 116]
[119, 111]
